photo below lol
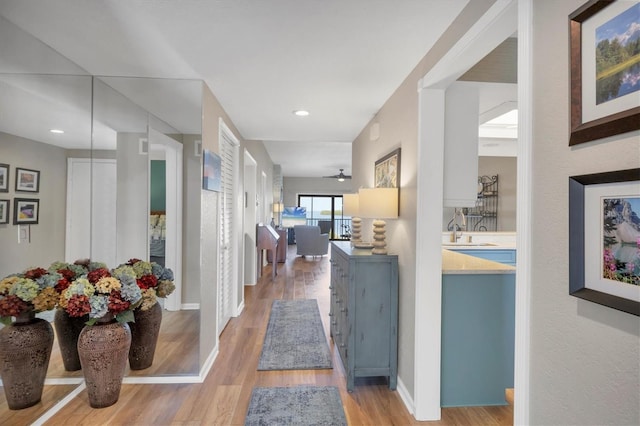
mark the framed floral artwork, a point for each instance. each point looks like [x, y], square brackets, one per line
[4, 178]
[604, 239]
[387, 170]
[605, 70]
[4, 212]
[27, 180]
[26, 211]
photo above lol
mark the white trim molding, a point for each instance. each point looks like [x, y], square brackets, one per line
[523, 213]
[495, 26]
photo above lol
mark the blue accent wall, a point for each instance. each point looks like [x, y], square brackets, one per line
[158, 186]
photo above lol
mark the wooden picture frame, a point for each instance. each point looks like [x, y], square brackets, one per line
[27, 180]
[387, 170]
[4, 177]
[590, 119]
[26, 211]
[4, 211]
[603, 215]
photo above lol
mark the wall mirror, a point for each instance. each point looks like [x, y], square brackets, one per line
[126, 142]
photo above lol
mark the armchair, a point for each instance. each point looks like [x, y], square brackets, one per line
[310, 242]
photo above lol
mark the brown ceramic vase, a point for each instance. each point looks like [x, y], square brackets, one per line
[25, 349]
[144, 337]
[68, 330]
[103, 349]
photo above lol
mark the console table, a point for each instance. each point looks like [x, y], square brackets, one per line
[364, 312]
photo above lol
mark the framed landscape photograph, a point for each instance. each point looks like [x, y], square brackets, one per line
[4, 178]
[211, 171]
[4, 212]
[387, 170]
[604, 239]
[605, 70]
[27, 180]
[26, 211]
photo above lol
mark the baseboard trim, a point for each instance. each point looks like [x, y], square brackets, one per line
[190, 306]
[405, 396]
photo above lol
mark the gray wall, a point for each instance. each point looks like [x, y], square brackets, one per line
[506, 169]
[585, 357]
[47, 237]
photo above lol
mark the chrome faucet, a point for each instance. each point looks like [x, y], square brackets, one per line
[455, 228]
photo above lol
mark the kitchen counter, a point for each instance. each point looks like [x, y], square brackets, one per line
[478, 329]
[458, 263]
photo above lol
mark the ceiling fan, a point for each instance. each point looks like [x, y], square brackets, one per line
[340, 176]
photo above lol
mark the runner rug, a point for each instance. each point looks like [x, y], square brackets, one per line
[295, 339]
[300, 405]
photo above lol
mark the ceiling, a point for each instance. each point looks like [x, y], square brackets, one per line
[340, 60]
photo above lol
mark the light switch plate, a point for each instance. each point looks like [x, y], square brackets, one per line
[24, 234]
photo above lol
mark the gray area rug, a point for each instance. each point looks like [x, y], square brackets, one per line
[295, 339]
[300, 405]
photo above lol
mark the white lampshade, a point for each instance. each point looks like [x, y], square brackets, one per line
[277, 207]
[378, 203]
[350, 204]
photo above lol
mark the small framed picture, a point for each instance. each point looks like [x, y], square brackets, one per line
[27, 180]
[4, 178]
[604, 240]
[211, 171]
[26, 211]
[4, 212]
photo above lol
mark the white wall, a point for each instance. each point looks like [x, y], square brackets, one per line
[585, 358]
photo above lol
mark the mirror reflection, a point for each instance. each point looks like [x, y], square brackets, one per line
[111, 188]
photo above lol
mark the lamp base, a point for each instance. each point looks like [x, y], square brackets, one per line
[356, 229]
[379, 238]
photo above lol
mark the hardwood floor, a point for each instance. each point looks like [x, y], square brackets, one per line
[224, 396]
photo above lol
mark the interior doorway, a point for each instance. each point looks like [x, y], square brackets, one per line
[165, 226]
[250, 218]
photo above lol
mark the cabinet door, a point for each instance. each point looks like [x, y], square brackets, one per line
[374, 315]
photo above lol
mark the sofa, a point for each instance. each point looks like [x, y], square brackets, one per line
[310, 242]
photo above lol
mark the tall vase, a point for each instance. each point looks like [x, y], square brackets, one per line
[144, 337]
[103, 350]
[25, 349]
[68, 329]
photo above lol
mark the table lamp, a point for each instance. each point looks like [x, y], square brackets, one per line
[350, 208]
[378, 204]
[277, 210]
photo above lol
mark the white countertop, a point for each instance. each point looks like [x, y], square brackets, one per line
[458, 263]
[480, 241]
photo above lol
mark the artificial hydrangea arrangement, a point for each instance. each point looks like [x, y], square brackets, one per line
[100, 293]
[152, 279]
[33, 290]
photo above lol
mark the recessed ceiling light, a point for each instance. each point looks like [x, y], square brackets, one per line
[57, 131]
[301, 112]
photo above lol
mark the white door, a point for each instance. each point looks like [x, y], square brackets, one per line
[228, 243]
[90, 233]
[250, 219]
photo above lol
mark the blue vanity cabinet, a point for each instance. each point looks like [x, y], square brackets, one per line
[506, 256]
[364, 312]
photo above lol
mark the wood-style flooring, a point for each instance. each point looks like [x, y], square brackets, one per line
[224, 396]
